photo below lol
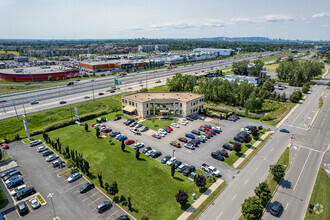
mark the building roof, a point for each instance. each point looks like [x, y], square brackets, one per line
[121, 61]
[148, 96]
[36, 70]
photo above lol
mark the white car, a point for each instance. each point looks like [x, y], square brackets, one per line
[13, 178]
[34, 202]
[246, 130]
[214, 171]
[170, 161]
[161, 130]
[13, 192]
[203, 137]
[150, 152]
[183, 122]
[175, 125]
[160, 134]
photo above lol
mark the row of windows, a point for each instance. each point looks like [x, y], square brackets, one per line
[196, 102]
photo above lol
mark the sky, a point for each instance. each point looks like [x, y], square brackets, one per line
[122, 19]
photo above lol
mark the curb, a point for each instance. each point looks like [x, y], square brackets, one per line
[314, 118]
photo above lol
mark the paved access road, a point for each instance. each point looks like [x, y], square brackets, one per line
[228, 204]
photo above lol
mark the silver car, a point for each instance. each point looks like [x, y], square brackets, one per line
[34, 202]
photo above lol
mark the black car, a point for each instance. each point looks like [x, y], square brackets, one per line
[227, 146]
[146, 149]
[239, 139]
[202, 129]
[222, 153]
[22, 208]
[117, 118]
[128, 121]
[123, 217]
[7, 172]
[177, 164]
[62, 102]
[213, 131]
[207, 136]
[25, 193]
[133, 124]
[188, 170]
[155, 154]
[194, 142]
[47, 153]
[167, 130]
[144, 128]
[208, 126]
[284, 130]
[276, 208]
[232, 142]
[201, 140]
[165, 159]
[195, 132]
[103, 206]
[88, 186]
[189, 118]
[217, 156]
[114, 133]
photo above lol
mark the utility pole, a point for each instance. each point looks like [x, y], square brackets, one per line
[50, 195]
[93, 91]
[24, 110]
[173, 153]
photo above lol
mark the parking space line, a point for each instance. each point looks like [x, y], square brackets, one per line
[234, 197]
[18, 213]
[28, 205]
[90, 196]
[112, 214]
[77, 185]
[95, 200]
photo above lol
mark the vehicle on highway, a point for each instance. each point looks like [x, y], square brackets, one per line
[62, 102]
[22, 208]
[156, 154]
[101, 93]
[117, 118]
[104, 206]
[170, 161]
[25, 193]
[35, 142]
[284, 130]
[70, 84]
[217, 156]
[188, 170]
[129, 88]
[14, 191]
[182, 139]
[130, 141]
[86, 97]
[146, 149]
[7, 172]
[34, 202]
[5, 146]
[158, 81]
[175, 144]
[189, 146]
[227, 146]
[74, 177]
[175, 125]
[190, 136]
[276, 208]
[195, 132]
[47, 153]
[144, 128]
[34, 102]
[86, 187]
[42, 149]
[111, 91]
[165, 159]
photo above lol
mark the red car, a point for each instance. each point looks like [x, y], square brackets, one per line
[183, 139]
[128, 142]
[107, 130]
[5, 146]
[206, 128]
[234, 117]
[101, 93]
[209, 133]
[92, 125]
[171, 129]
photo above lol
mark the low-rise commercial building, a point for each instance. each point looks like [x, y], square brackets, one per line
[251, 79]
[219, 52]
[157, 47]
[110, 65]
[150, 104]
[21, 59]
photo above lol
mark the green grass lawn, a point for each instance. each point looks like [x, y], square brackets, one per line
[146, 181]
[320, 196]
[12, 52]
[158, 123]
[273, 58]
[3, 200]
[272, 67]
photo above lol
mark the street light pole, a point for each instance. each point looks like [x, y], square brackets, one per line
[173, 153]
[50, 195]
[93, 91]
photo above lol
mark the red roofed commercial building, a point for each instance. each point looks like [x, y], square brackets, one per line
[41, 73]
[109, 65]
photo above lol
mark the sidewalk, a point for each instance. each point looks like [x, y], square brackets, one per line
[254, 146]
[200, 200]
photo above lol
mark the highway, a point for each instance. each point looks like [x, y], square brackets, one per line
[228, 204]
[19, 103]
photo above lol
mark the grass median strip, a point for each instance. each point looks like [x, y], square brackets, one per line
[41, 199]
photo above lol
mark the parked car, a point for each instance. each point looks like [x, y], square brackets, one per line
[175, 125]
[47, 153]
[122, 137]
[14, 191]
[217, 156]
[22, 208]
[144, 128]
[175, 144]
[183, 122]
[74, 177]
[155, 154]
[190, 136]
[5, 146]
[232, 119]
[138, 145]
[86, 187]
[138, 125]
[11, 174]
[149, 152]
[171, 129]
[156, 136]
[222, 153]
[213, 132]
[146, 149]
[52, 157]
[202, 138]
[130, 141]
[182, 139]
[182, 167]
[188, 170]
[239, 139]
[104, 206]
[209, 133]
[117, 118]
[59, 162]
[170, 161]
[133, 124]
[227, 146]
[42, 149]
[7, 172]
[25, 193]
[232, 142]
[202, 129]
[35, 142]
[167, 130]
[189, 146]
[161, 134]
[14, 183]
[276, 208]
[13, 178]
[195, 132]
[284, 130]
[177, 164]
[165, 159]
[114, 133]
[34, 202]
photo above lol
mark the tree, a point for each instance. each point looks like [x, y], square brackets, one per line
[172, 169]
[247, 138]
[110, 140]
[263, 192]
[240, 67]
[99, 176]
[257, 67]
[182, 197]
[283, 97]
[295, 96]
[252, 208]
[86, 167]
[123, 145]
[113, 190]
[153, 120]
[200, 181]
[0, 154]
[237, 147]
[144, 217]
[106, 187]
[98, 132]
[137, 153]
[278, 171]
[305, 89]
[129, 204]
[254, 131]
[86, 127]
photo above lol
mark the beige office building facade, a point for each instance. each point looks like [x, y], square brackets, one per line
[165, 104]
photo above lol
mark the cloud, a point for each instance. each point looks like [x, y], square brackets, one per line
[213, 23]
[278, 18]
[321, 15]
[180, 25]
[135, 29]
[239, 20]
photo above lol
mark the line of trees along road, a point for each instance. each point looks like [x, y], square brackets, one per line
[241, 67]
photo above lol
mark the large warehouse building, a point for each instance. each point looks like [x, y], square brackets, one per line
[109, 65]
[41, 73]
[148, 104]
[219, 52]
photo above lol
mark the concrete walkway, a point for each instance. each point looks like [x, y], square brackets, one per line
[254, 146]
[200, 200]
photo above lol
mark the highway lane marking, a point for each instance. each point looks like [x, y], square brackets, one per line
[295, 127]
[286, 206]
[219, 215]
[309, 149]
[234, 197]
[246, 182]
[301, 171]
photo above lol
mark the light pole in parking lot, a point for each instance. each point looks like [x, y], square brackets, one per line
[173, 153]
[50, 195]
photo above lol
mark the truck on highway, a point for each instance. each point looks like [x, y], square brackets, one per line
[210, 169]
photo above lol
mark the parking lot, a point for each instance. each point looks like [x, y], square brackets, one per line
[68, 202]
[196, 157]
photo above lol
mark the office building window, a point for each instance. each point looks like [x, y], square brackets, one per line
[129, 102]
